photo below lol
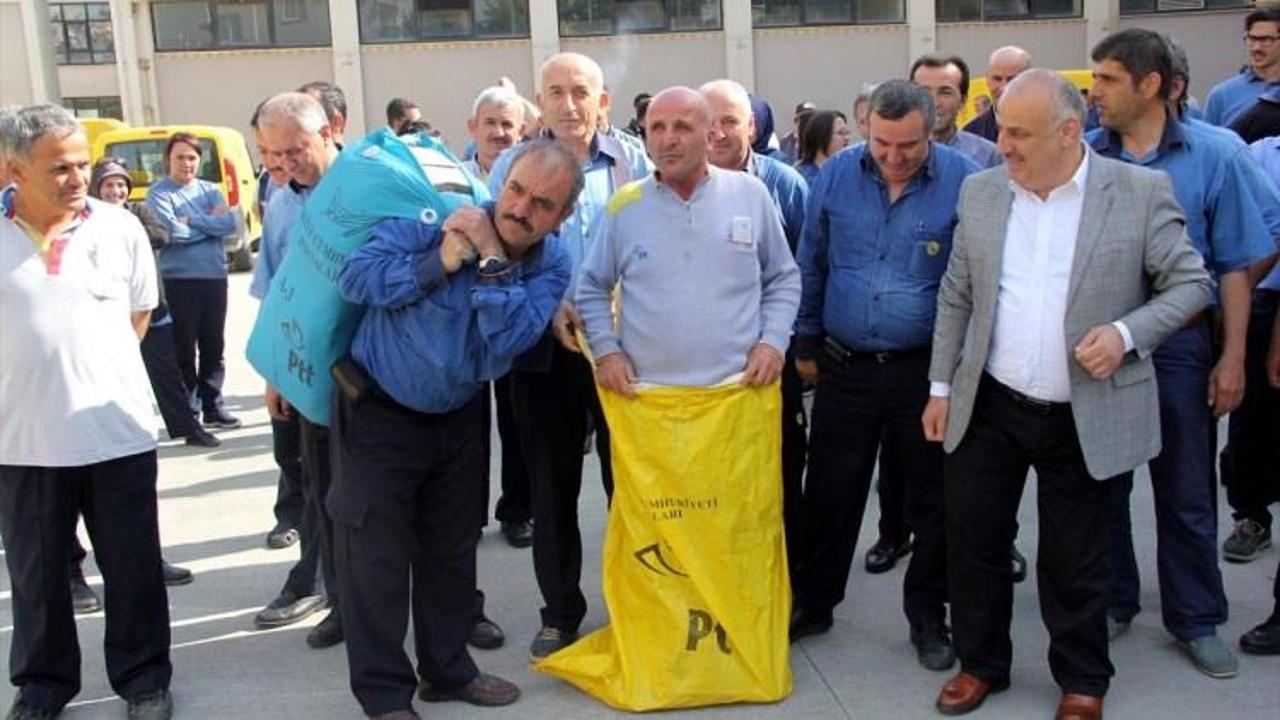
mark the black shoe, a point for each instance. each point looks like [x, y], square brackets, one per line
[220, 418]
[282, 536]
[1019, 564]
[1264, 639]
[805, 623]
[484, 691]
[152, 706]
[174, 575]
[485, 634]
[885, 553]
[200, 437]
[549, 640]
[287, 609]
[934, 649]
[83, 598]
[518, 534]
[328, 633]
[23, 711]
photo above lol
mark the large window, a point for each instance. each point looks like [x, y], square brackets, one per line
[82, 33]
[974, 10]
[777, 13]
[412, 20]
[224, 24]
[95, 107]
[1135, 7]
[620, 17]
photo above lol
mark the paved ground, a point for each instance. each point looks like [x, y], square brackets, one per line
[215, 507]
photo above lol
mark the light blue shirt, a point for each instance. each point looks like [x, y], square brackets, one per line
[1267, 152]
[195, 249]
[977, 148]
[1233, 96]
[575, 231]
[280, 216]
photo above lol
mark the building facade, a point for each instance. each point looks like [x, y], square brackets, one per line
[212, 61]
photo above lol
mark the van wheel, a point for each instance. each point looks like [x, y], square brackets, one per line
[241, 260]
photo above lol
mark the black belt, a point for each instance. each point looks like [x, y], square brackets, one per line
[840, 353]
[1036, 405]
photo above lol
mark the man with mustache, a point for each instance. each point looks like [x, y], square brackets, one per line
[875, 244]
[552, 387]
[496, 123]
[1236, 94]
[408, 423]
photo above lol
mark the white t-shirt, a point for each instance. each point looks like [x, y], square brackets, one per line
[73, 389]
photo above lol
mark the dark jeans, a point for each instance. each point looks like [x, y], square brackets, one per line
[856, 401]
[889, 489]
[316, 531]
[1249, 467]
[199, 309]
[405, 500]
[38, 512]
[514, 505]
[551, 413]
[985, 478]
[159, 354]
[286, 444]
[1192, 601]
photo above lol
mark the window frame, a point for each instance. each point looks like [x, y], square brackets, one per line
[64, 57]
[216, 45]
[1029, 15]
[853, 7]
[667, 7]
[1156, 9]
[418, 37]
[95, 102]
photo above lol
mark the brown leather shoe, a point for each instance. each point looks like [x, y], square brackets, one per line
[1079, 707]
[485, 690]
[965, 692]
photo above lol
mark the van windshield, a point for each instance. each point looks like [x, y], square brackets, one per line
[145, 159]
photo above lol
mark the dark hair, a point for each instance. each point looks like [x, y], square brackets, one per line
[1141, 52]
[895, 99]
[398, 109]
[330, 96]
[1261, 15]
[942, 61]
[1181, 69]
[412, 127]
[802, 119]
[641, 99]
[549, 149]
[253, 121]
[185, 138]
[817, 132]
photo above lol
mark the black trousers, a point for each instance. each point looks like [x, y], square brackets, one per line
[1249, 469]
[855, 403]
[551, 411]
[160, 355]
[286, 445]
[38, 512]
[199, 309]
[890, 491]
[407, 492]
[985, 478]
[316, 532]
[795, 451]
[515, 504]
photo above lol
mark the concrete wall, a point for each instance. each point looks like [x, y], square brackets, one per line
[88, 81]
[443, 78]
[1059, 44]
[15, 77]
[649, 63]
[223, 88]
[1211, 39]
[825, 65]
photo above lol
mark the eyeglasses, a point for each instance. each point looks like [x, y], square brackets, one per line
[1263, 40]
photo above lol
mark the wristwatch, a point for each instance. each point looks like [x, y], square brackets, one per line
[491, 265]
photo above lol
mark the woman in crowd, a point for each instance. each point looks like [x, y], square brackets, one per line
[825, 134]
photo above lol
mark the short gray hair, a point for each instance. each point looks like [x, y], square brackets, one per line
[547, 150]
[895, 99]
[21, 128]
[497, 95]
[1067, 101]
[296, 108]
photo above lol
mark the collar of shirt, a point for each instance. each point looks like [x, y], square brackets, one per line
[10, 211]
[662, 186]
[610, 150]
[1108, 143]
[1076, 184]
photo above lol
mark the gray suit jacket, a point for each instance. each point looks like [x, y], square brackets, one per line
[1133, 262]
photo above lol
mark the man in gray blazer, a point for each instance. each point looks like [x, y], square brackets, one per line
[1067, 270]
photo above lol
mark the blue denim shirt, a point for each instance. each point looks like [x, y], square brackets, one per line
[1223, 192]
[871, 268]
[1233, 96]
[429, 339]
[789, 190]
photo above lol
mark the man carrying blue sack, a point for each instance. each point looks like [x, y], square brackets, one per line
[448, 307]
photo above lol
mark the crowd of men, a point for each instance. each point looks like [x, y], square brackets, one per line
[1079, 285]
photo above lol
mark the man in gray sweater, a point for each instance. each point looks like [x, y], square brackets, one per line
[708, 283]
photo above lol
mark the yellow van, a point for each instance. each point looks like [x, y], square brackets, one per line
[225, 161]
[93, 127]
[1082, 79]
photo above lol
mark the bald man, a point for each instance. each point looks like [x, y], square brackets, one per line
[552, 388]
[1005, 64]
